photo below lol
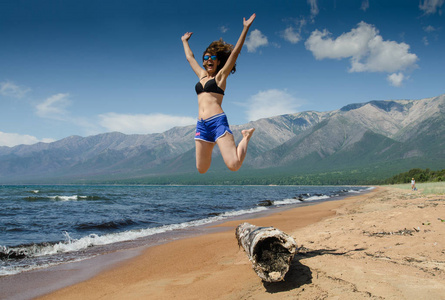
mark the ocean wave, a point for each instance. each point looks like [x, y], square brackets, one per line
[63, 198]
[35, 198]
[72, 245]
[106, 225]
[305, 197]
[92, 198]
[287, 201]
[243, 212]
[318, 197]
[25, 267]
[296, 200]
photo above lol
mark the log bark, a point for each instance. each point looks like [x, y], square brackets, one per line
[269, 250]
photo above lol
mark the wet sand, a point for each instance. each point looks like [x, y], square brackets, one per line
[386, 244]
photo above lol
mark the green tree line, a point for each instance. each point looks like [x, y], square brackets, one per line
[419, 175]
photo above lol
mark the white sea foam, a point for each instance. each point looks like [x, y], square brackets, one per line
[24, 268]
[294, 201]
[19, 269]
[65, 198]
[286, 201]
[314, 198]
[71, 245]
[242, 212]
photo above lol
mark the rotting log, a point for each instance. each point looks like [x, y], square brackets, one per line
[269, 250]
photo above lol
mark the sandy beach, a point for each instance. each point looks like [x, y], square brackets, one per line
[386, 244]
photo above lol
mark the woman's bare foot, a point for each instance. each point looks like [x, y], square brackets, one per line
[247, 134]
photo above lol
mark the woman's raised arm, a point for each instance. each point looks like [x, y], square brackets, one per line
[225, 71]
[189, 55]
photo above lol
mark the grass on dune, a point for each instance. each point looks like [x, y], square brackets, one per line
[425, 188]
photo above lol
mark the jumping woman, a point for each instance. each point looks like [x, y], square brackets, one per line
[219, 60]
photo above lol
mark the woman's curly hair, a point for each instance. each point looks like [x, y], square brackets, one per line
[222, 50]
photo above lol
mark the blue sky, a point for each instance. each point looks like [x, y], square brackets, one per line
[79, 67]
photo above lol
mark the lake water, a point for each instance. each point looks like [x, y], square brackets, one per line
[44, 225]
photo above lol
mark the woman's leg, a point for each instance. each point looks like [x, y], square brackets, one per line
[203, 155]
[234, 156]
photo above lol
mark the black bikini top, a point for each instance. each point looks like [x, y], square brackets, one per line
[210, 87]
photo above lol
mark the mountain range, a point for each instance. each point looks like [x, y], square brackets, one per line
[357, 144]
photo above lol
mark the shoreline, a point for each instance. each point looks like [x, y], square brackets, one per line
[168, 258]
[182, 258]
[386, 243]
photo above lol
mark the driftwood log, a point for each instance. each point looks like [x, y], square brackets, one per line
[270, 250]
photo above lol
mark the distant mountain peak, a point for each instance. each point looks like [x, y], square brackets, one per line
[386, 105]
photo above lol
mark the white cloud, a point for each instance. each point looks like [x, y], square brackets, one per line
[254, 40]
[396, 79]
[314, 8]
[385, 56]
[365, 5]
[429, 28]
[9, 89]
[431, 6]
[431, 33]
[351, 44]
[271, 103]
[367, 50]
[290, 35]
[142, 124]
[14, 139]
[223, 29]
[54, 107]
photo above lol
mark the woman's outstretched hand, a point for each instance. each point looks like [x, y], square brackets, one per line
[186, 36]
[250, 21]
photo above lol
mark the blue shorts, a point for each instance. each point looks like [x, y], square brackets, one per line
[211, 129]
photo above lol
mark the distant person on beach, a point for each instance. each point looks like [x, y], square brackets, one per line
[219, 60]
[413, 184]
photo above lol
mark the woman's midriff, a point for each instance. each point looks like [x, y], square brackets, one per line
[209, 105]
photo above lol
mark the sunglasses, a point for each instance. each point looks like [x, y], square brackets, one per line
[213, 57]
